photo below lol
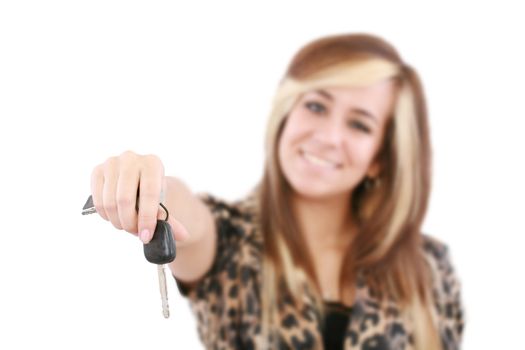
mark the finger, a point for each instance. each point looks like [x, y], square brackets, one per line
[150, 187]
[97, 186]
[126, 198]
[109, 191]
[179, 231]
[163, 190]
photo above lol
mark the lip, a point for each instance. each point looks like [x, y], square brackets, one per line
[335, 166]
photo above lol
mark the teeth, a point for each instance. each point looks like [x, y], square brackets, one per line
[319, 161]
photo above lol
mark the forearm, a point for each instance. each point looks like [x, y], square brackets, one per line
[195, 254]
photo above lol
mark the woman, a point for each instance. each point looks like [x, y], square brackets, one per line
[326, 251]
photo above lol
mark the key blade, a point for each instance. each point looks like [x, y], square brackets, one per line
[163, 291]
[89, 203]
[89, 207]
[89, 211]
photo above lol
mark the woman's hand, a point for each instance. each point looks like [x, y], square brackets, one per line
[114, 187]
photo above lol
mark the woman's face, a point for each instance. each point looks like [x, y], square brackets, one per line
[331, 137]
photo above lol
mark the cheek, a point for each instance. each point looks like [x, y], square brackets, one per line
[360, 152]
[291, 133]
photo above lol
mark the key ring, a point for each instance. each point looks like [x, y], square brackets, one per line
[166, 210]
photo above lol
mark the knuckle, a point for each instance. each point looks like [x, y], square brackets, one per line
[125, 202]
[110, 207]
[128, 155]
[151, 157]
[149, 194]
[153, 160]
[147, 218]
[97, 171]
[110, 162]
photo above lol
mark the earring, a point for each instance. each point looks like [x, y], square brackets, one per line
[372, 183]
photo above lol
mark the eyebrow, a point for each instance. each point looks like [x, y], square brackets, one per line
[360, 111]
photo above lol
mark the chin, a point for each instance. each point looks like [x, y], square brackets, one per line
[317, 192]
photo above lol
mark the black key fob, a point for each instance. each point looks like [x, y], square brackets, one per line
[161, 249]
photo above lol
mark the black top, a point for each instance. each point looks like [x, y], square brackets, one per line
[336, 321]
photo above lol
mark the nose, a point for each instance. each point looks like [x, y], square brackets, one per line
[330, 132]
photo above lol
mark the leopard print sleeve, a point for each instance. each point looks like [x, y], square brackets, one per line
[213, 298]
[447, 290]
[227, 240]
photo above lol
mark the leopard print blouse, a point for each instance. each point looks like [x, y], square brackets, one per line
[226, 301]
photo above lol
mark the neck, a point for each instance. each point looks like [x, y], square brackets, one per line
[324, 222]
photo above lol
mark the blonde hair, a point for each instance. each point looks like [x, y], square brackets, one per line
[387, 246]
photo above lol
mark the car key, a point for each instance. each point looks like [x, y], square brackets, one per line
[160, 250]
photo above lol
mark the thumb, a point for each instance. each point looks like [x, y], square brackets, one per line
[180, 233]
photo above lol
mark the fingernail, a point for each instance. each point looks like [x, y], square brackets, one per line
[144, 236]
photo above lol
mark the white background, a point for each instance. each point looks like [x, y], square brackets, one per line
[192, 83]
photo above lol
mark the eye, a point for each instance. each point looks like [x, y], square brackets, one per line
[315, 107]
[359, 125]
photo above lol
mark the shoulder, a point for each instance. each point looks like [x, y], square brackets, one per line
[446, 286]
[237, 221]
[435, 249]
[240, 209]
[243, 208]
[437, 253]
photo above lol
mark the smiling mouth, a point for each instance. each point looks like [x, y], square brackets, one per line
[320, 162]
